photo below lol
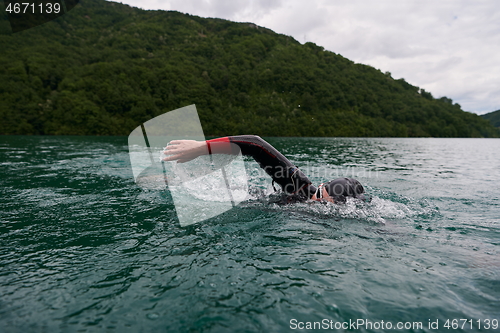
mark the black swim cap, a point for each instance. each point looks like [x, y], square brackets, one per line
[341, 188]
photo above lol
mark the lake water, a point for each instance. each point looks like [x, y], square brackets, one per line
[84, 249]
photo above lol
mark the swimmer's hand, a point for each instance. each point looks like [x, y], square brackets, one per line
[184, 150]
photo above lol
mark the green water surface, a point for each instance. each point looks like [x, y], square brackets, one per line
[84, 249]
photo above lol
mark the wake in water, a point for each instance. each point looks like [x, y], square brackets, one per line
[381, 207]
[377, 211]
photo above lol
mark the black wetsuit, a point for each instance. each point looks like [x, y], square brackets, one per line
[293, 182]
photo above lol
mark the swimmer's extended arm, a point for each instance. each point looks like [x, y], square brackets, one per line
[187, 150]
[249, 145]
[281, 170]
[184, 150]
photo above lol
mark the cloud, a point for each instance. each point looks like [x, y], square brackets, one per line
[448, 47]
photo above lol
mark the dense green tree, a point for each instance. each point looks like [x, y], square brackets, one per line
[104, 68]
[493, 117]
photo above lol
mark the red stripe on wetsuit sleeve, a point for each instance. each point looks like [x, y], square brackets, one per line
[219, 146]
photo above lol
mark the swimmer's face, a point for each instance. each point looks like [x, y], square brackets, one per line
[324, 195]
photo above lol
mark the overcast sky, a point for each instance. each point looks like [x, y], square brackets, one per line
[448, 47]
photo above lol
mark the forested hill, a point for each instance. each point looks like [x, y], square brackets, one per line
[104, 68]
[493, 117]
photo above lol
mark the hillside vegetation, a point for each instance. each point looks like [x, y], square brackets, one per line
[104, 68]
[493, 118]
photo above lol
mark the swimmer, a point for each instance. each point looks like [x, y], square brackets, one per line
[294, 183]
